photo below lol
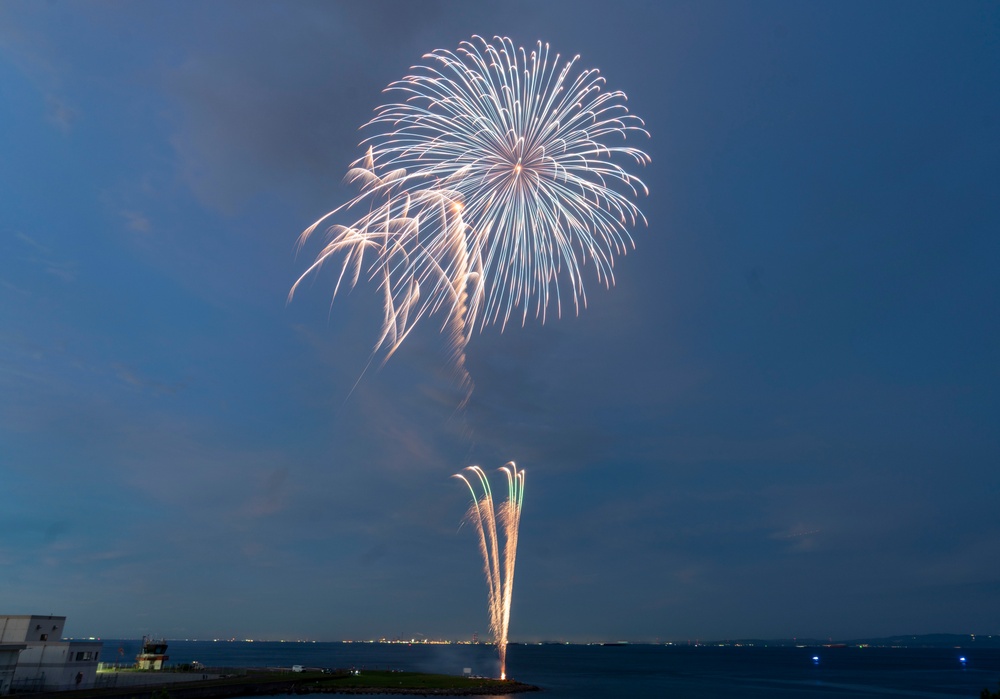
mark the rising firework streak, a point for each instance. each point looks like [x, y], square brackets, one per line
[493, 179]
[498, 562]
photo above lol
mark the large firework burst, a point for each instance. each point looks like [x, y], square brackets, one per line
[493, 179]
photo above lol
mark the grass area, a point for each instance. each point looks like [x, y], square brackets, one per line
[257, 682]
[229, 681]
[410, 680]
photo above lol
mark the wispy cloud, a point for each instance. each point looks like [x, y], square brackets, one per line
[60, 113]
[136, 221]
[40, 255]
[13, 288]
[31, 242]
[134, 378]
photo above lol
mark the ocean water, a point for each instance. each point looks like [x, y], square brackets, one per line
[640, 671]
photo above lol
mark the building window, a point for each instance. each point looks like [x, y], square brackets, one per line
[44, 637]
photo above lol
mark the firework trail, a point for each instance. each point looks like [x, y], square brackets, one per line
[492, 181]
[498, 563]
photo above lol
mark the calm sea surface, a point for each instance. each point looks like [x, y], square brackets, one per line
[675, 672]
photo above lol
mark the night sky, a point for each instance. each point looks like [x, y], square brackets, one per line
[782, 421]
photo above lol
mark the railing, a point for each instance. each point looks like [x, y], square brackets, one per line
[27, 685]
[109, 676]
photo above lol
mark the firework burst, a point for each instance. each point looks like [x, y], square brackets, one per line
[498, 562]
[494, 177]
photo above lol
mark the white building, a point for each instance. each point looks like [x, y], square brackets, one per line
[46, 662]
[8, 662]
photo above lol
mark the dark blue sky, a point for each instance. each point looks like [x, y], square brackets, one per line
[782, 421]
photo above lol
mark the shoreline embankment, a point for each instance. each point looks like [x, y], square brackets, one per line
[267, 684]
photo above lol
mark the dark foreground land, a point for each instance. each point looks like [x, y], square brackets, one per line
[338, 682]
